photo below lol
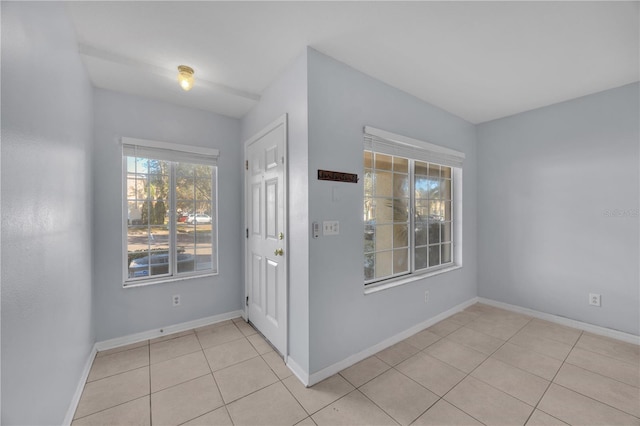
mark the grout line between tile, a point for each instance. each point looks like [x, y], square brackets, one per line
[552, 379]
[439, 398]
[598, 374]
[117, 405]
[298, 401]
[596, 400]
[469, 374]
[606, 356]
[118, 352]
[374, 403]
[115, 374]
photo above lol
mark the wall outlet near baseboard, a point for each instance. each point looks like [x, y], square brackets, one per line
[175, 300]
[594, 299]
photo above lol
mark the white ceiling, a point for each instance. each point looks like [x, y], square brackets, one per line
[477, 60]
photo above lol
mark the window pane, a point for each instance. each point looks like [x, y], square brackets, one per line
[420, 168]
[436, 210]
[368, 210]
[434, 170]
[445, 233]
[445, 172]
[200, 246]
[446, 189]
[383, 182]
[133, 213]
[422, 187]
[384, 210]
[421, 232]
[369, 238]
[203, 190]
[148, 251]
[400, 185]
[400, 165]
[368, 183]
[131, 164]
[383, 162]
[146, 212]
[141, 165]
[159, 214]
[147, 187]
[384, 237]
[158, 167]
[434, 188]
[384, 263]
[447, 210]
[434, 232]
[369, 266]
[400, 261]
[400, 236]
[445, 254]
[195, 235]
[368, 159]
[434, 256]
[422, 210]
[185, 170]
[420, 258]
[400, 210]
[133, 191]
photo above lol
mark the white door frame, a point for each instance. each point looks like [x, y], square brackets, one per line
[280, 121]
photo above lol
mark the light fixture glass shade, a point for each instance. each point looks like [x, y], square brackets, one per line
[185, 77]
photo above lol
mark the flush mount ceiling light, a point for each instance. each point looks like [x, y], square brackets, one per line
[185, 77]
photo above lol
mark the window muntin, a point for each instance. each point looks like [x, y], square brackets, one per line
[159, 245]
[402, 194]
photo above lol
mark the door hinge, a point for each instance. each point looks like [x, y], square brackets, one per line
[247, 232]
[246, 164]
[247, 301]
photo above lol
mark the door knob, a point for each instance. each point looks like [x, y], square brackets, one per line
[278, 252]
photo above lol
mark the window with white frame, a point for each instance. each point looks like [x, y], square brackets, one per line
[409, 204]
[169, 211]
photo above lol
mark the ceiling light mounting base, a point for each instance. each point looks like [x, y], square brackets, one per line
[185, 77]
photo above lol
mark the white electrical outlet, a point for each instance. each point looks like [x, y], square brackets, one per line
[426, 296]
[594, 299]
[176, 300]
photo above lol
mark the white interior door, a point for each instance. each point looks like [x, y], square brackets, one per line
[266, 223]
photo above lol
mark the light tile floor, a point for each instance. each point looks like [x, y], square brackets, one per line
[481, 366]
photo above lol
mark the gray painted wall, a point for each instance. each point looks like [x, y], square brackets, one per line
[343, 320]
[121, 311]
[558, 209]
[288, 94]
[46, 214]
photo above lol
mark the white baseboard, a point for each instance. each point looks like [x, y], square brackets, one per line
[299, 372]
[159, 332]
[134, 338]
[349, 361]
[595, 329]
[71, 411]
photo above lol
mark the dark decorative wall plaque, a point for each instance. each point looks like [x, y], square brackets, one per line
[337, 176]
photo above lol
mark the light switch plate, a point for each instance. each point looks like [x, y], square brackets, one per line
[330, 227]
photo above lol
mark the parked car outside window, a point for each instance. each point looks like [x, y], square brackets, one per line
[198, 218]
[158, 264]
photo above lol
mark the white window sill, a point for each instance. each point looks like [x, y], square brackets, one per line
[133, 284]
[374, 288]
